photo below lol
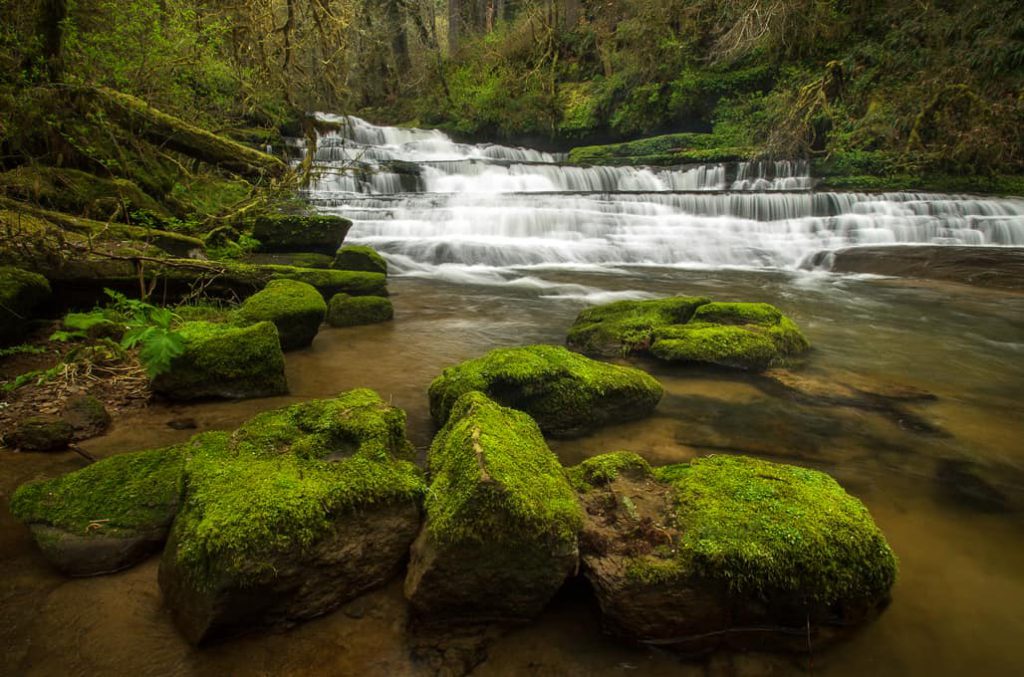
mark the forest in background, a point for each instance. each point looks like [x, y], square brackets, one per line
[880, 87]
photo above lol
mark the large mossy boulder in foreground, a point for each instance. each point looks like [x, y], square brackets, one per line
[728, 551]
[320, 234]
[20, 293]
[351, 311]
[568, 394]
[107, 516]
[222, 361]
[360, 257]
[297, 310]
[691, 330]
[297, 512]
[501, 527]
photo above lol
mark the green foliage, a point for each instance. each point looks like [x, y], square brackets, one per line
[148, 328]
[22, 349]
[494, 480]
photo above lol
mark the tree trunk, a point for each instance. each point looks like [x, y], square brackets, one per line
[454, 24]
[52, 15]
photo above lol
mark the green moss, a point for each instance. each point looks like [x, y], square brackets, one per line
[683, 329]
[311, 260]
[295, 308]
[224, 361]
[350, 311]
[625, 327]
[494, 480]
[20, 293]
[275, 486]
[125, 493]
[42, 433]
[359, 257]
[331, 282]
[763, 529]
[568, 394]
[668, 149]
[321, 234]
[603, 469]
[71, 190]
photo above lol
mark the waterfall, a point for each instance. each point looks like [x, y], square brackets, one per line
[429, 202]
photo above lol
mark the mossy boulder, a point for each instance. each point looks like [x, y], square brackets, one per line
[297, 310]
[107, 516]
[359, 257]
[298, 511]
[350, 311]
[42, 433]
[86, 415]
[321, 234]
[222, 361]
[690, 330]
[78, 192]
[310, 260]
[21, 292]
[568, 394]
[501, 527]
[729, 551]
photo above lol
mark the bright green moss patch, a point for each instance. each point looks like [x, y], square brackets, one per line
[625, 327]
[568, 394]
[275, 486]
[690, 330]
[359, 257]
[319, 233]
[331, 282]
[126, 493]
[225, 361]
[767, 529]
[603, 469]
[351, 311]
[297, 310]
[494, 479]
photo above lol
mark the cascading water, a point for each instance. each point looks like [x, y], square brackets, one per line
[484, 212]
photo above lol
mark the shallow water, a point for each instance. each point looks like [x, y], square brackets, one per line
[958, 606]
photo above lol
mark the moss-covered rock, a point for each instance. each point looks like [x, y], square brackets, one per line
[298, 511]
[350, 311]
[107, 516]
[86, 415]
[501, 520]
[310, 260]
[568, 394]
[690, 330]
[225, 361]
[360, 257]
[322, 234]
[21, 292]
[42, 433]
[296, 309]
[729, 551]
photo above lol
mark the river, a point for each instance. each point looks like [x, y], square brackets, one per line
[491, 247]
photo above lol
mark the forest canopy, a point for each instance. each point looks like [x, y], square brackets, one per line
[934, 84]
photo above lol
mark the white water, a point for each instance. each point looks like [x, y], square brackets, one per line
[483, 213]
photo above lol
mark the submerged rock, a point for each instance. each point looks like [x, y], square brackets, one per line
[690, 330]
[226, 362]
[87, 416]
[728, 551]
[320, 234]
[107, 516]
[297, 310]
[500, 535]
[21, 292]
[351, 311]
[297, 512]
[42, 433]
[568, 394]
[359, 257]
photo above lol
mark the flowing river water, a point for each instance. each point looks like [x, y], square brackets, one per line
[492, 246]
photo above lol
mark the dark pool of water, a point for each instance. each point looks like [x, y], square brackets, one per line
[949, 498]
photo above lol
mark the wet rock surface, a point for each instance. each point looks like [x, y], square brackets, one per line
[996, 267]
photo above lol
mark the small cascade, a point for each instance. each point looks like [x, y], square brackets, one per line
[432, 204]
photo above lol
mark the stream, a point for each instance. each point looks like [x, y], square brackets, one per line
[492, 246]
